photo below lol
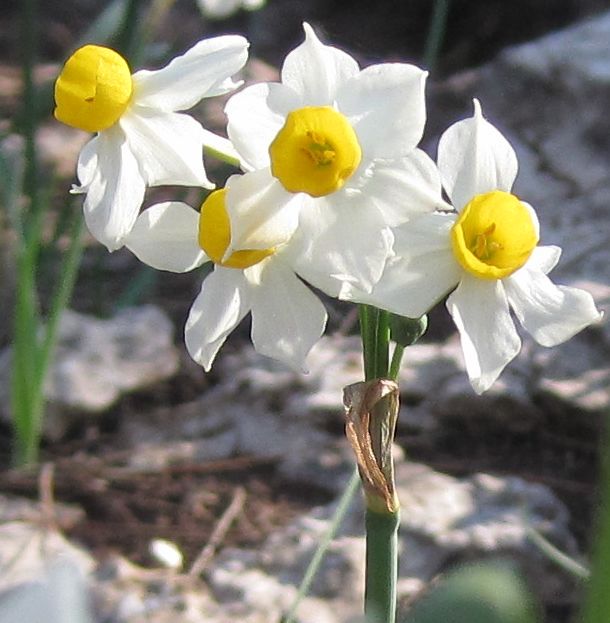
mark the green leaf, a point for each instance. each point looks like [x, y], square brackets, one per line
[477, 593]
[105, 26]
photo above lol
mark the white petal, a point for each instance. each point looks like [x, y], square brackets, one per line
[222, 303]
[551, 314]
[287, 318]
[411, 287]
[87, 166]
[202, 71]
[169, 147]
[422, 271]
[165, 237]
[335, 243]
[315, 71]
[489, 339]
[114, 185]
[255, 116]
[428, 233]
[261, 212]
[474, 158]
[400, 188]
[544, 258]
[385, 104]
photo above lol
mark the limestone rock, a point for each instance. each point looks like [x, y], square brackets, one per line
[97, 361]
[459, 519]
[57, 595]
[28, 551]
[445, 520]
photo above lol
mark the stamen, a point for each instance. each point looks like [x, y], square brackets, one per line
[319, 150]
[484, 246]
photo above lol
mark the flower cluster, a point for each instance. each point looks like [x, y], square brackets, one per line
[333, 193]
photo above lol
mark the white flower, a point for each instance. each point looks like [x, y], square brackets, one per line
[142, 140]
[219, 9]
[287, 318]
[487, 254]
[328, 154]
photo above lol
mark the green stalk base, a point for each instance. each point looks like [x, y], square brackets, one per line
[381, 566]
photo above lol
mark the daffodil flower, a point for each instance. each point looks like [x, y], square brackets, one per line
[487, 253]
[287, 318]
[331, 162]
[141, 140]
[219, 9]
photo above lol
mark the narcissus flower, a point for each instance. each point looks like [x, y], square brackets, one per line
[330, 162]
[487, 253]
[287, 318]
[219, 9]
[141, 139]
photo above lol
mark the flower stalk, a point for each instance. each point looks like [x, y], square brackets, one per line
[371, 411]
[381, 566]
[371, 414]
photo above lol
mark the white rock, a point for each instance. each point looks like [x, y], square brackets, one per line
[28, 551]
[166, 553]
[444, 520]
[452, 519]
[59, 595]
[97, 361]
[577, 374]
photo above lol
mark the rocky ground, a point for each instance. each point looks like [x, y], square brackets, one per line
[241, 470]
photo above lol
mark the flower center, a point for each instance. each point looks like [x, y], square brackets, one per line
[315, 152]
[215, 234]
[93, 89]
[494, 235]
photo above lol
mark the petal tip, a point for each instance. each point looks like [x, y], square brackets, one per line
[478, 112]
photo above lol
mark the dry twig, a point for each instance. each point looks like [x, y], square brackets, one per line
[219, 532]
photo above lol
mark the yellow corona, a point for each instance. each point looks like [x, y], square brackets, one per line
[215, 235]
[315, 152]
[494, 235]
[93, 89]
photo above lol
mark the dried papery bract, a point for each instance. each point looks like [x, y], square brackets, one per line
[371, 411]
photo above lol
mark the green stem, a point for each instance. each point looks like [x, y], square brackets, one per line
[396, 361]
[28, 382]
[26, 316]
[383, 344]
[555, 555]
[316, 561]
[375, 332]
[436, 33]
[381, 566]
[30, 38]
[222, 156]
[381, 528]
[368, 332]
[128, 40]
[597, 602]
[156, 15]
